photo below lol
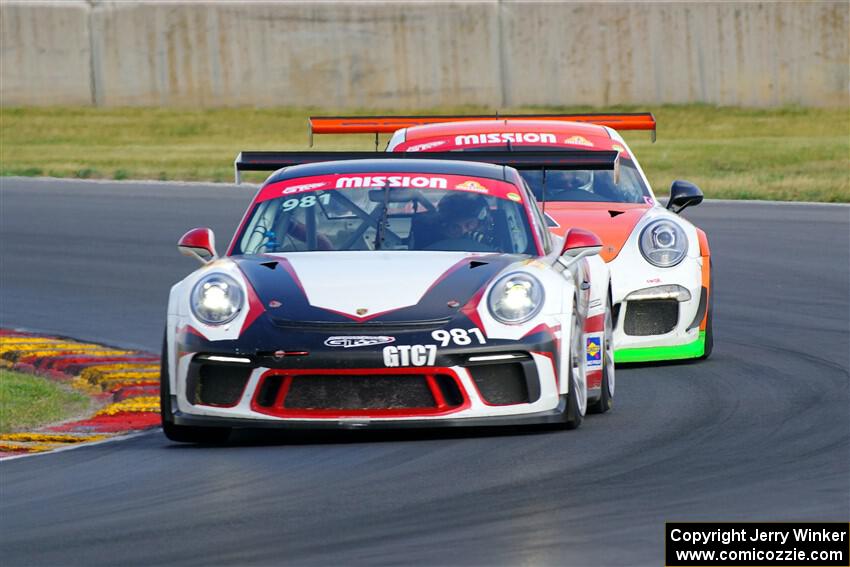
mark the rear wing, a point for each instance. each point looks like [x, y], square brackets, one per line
[561, 159]
[389, 124]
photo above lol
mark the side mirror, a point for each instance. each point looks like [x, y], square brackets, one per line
[683, 194]
[579, 243]
[198, 243]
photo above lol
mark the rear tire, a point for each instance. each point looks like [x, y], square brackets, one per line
[182, 433]
[606, 398]
[576, 402]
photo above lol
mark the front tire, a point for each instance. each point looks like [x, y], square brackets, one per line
[709, 330]
[182, 433]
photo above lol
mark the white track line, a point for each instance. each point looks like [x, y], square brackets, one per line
[128, 182]
[73, 446]
[766, 202]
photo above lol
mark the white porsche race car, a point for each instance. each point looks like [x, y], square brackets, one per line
[389, 293]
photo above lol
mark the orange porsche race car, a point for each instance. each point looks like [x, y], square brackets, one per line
[660, 263]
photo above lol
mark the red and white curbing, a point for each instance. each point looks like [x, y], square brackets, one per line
[124, 383]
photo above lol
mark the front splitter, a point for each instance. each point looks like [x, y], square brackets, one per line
[694, 349]
[549, 417]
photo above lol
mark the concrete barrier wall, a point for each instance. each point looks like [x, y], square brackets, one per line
[419, 54]
[45, 53]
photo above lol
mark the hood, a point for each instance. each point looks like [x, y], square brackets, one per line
[345, 287]
[612, 222]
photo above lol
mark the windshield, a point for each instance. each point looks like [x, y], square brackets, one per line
[589, 185]
[471, 217]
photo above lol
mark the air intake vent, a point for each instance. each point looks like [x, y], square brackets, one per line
[501, 384]
[651, 317]
[216, 385]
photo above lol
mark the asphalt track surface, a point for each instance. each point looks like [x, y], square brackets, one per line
[761, 431]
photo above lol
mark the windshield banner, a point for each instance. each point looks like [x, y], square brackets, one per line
[424, 181]
[501, 139]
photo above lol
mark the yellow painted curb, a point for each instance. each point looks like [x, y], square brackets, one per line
[42, 343]
[35, 448]
[95, 373]
[26, 340]
[49, 437]
[85, 386]
[138, 404]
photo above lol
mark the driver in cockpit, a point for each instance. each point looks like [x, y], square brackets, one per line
[464, 215]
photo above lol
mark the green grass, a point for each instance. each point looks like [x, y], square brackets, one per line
[28, 401]
[784, 154]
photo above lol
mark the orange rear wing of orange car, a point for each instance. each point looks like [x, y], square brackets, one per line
[389, 124]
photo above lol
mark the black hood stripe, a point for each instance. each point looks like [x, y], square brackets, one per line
[449, 292]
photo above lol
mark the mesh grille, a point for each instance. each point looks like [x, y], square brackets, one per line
[359, 392]
[501, 384]
[220, 385]
[651, 317]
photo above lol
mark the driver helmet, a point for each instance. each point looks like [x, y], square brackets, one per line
[464, 215]
[579, 180]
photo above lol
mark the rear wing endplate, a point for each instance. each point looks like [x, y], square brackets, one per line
[562, 159]
[389, 124]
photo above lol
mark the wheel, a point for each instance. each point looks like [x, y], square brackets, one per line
[182, 433]
[577, 396]
[709, 332]
[606, 398]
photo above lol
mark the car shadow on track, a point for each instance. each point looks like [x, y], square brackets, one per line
[659, 364]
[270, 437]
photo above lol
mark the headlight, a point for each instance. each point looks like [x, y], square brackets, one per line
[516, 298]
[216, 299]
[663, 243]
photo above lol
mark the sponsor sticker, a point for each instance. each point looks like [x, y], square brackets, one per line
[305, 187]
[410, 355]
[357, 341]
[536, 264]
[579, 141]
[425, 147]
[417, 182]
[514, 197]
[594, 352]
[471, 185]
[648, 200]
[504, 137]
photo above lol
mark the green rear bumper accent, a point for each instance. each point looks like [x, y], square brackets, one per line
[648, 354]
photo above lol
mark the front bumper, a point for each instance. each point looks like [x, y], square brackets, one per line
[313, 386]
[659, 312]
